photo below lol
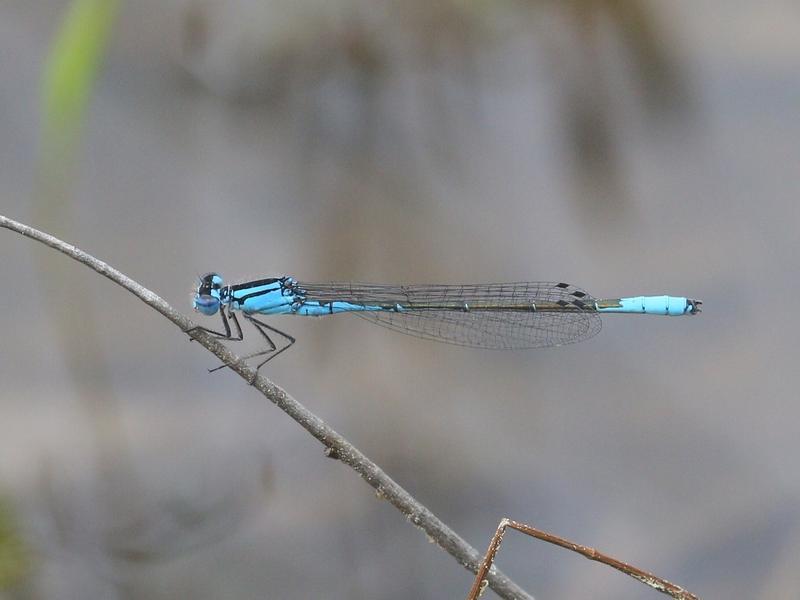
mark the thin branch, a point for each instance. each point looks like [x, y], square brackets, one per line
[655, 582]
[336, 445]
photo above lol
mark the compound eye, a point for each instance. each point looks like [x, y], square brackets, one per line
[206, 304]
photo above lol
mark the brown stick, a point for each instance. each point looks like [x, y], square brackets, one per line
[657, 583]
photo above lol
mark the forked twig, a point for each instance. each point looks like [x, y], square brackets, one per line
[336, 446]
[657, 583]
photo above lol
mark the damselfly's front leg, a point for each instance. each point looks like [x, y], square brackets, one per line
[227, 335]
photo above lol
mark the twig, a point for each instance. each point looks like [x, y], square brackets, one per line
[336, 445]
[657, 583]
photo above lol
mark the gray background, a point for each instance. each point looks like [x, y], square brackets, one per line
[372, 141]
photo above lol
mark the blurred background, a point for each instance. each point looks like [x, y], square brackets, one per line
[629, 147]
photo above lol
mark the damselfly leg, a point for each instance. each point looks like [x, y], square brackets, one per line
[227, 334]
[272, 351]
[289, 341]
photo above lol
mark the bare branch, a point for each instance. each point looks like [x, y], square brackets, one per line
[657, 583]
[336, 445]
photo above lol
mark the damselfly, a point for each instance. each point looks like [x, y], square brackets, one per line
[493, 315]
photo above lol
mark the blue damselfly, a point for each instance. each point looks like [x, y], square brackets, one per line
[493, 315]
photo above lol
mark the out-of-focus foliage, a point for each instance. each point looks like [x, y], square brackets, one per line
[14, 557]
[77, 51]
[70, 72]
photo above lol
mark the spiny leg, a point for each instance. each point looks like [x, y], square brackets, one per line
[273, 350]
[289, 339]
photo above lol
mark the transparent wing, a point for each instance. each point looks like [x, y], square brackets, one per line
[494, 315]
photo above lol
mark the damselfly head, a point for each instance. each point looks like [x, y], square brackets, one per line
[207, 298]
